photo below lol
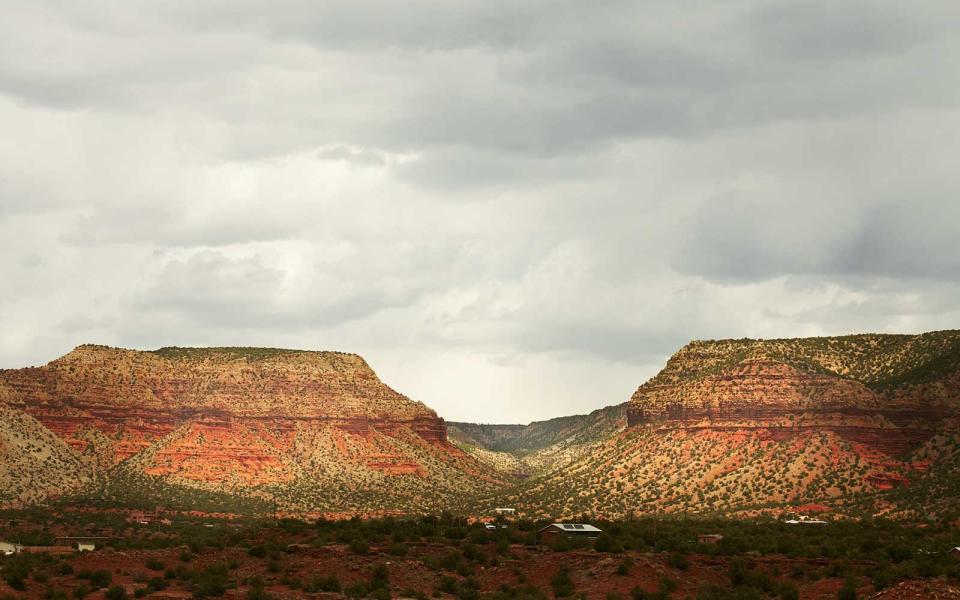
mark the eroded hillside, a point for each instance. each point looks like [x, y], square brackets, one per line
[298, 430]
[864, 424]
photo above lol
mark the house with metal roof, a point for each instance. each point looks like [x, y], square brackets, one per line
[568, 529]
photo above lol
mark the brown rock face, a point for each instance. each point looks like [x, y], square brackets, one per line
[216, 414]
[891, 397]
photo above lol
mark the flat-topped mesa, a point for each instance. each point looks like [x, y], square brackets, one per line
[151, 392]
[886, 390]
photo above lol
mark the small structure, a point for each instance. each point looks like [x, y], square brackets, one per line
[568, 529]
[81, 544]
[505, 511]
[955, 552]
[490, 527]
[709, 538]
[7, 548]
[805, 521]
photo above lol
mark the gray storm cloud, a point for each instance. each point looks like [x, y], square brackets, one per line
[513, 210]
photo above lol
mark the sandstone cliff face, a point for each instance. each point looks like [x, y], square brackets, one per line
[859, 423]
[243, 420]
[888, 392]
[865, 424]
[135, 398]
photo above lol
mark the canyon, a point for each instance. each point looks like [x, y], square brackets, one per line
[851, 425]
[864, 424]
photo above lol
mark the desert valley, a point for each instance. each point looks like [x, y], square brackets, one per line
[856, 426]
[269, 464]
[479, 300]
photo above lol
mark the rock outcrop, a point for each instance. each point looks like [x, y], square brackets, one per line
[865, 424]
[891, 393]
[235, 419]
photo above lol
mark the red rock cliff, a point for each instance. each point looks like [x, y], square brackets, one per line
[889, 392]
[134, 398]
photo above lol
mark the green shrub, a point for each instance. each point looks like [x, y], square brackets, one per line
[448, 585]
[562, 584]
[155, 564]
[667, 585]
[116, 592]
[210, 582]
[678, 561]
[323, 584]
[256, 592]
[15, 581]
[54, 594]
[157, 583]
[788, 591]
[848, 591]
[99, 579]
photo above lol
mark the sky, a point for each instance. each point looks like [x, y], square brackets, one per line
[513, 210]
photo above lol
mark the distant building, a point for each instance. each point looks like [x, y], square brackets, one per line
[805, 521]
[81, 544]
[7, 548]
[505, 511]
[568, 529]
[955, 552]
[709, 538]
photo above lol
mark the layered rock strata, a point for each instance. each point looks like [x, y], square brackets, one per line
[893, 398]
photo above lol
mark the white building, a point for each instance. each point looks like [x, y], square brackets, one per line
[6, 548]
[805, 521]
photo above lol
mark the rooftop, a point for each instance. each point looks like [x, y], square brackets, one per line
[574, 527]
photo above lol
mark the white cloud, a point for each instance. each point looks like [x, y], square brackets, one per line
[515, 211]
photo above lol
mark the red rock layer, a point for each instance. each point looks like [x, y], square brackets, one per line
[212, 451]
[763, 394]
[242, 408]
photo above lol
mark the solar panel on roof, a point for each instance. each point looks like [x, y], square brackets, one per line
[578, 526]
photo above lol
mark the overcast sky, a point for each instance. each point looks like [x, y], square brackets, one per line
[513, 210]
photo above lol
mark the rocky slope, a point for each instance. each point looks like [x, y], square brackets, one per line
[536, 436]
[526, 450]
[34, 463]
[301, 430]
[857, 425]
[889, 392]
[865, 424]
